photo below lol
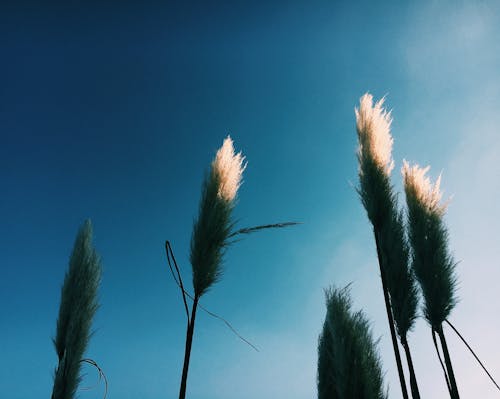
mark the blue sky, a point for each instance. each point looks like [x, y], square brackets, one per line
[114, 113]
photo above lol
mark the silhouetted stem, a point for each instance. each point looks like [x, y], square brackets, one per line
[473, 353]
[441, 360]
[391, 320]
[449, 367]
[187, 352]
[178, 279]
[415, 394]
[185, 294]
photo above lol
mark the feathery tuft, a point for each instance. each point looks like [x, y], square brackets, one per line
[373, 124]
[375, 159]
[432, 262]
[380, 201]
[229, 168]
[214, 225]
[420, 186]
[77, 309]
[349, 366]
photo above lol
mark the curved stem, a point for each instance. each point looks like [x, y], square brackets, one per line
[101, 375]
[391, 320]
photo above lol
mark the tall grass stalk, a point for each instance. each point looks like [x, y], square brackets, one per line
[211, 233]
[378, 197]
[431, 260]
[76, 311]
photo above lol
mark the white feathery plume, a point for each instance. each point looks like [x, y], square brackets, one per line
[419, 185]
[229, 168]
[373, 124]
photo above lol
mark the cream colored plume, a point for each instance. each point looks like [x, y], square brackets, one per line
[373, 124]
[229, 168]
[419, 185]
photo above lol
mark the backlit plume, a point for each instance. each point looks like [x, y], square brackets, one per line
[229, 168]
[419, 186]
[373, 124]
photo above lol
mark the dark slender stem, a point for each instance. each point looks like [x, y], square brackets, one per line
[187, 352]
[415, 394]
[178, 279]
[186, 294]
[473, 353]
[391, 320]
[449, 366]
[441, 360]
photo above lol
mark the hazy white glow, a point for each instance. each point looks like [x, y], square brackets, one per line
[229, 167]
[418, 184]
[373, 124]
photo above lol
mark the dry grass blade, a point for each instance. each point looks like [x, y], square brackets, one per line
[249, 230]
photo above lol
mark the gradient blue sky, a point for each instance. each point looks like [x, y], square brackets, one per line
[114, 112]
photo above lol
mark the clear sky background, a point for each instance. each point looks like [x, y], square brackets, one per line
[114, 111]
